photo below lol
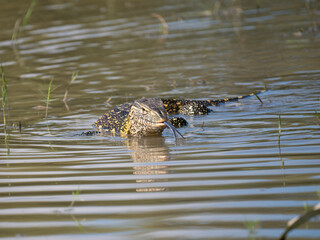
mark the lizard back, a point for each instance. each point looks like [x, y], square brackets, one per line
[115, 119]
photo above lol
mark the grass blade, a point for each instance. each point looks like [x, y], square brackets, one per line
[22, 22]
[279, 141]
[279, 126]
[73, 77]
[258, 97]
[317, 115]
[29, 12]
[4, 95]
[165, 28]
[48, 97]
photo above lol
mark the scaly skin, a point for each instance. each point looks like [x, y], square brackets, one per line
[146, 116]
[196, 107]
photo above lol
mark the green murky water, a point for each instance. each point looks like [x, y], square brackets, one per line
[229, 173]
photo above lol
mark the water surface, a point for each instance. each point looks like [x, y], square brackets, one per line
[230, 172]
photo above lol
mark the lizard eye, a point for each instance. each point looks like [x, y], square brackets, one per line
[143, 110]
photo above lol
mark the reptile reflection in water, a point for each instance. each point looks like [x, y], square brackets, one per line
[149, 155]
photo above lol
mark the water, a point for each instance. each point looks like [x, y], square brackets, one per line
[230, 171]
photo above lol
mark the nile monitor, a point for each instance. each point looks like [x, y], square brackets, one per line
[149, 116]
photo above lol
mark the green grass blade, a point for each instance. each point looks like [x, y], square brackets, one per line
[317, 115]
[29, 12]
[4, 96]
[4, 87]
[279, 125]
[74, 77]
[258, 97]
[48, 97]
[318, 194]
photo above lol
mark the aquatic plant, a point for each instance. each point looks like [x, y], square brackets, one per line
[74, 199]
[298, 221]
[29, 12]
[317, 115]
[75, 196]
[73, 77]
[79, 225]
[48, 97]
[220, 8]
[252, 226]
[3, 104]
[18, 25]
[4, 95]
[279, 134]
[258, 97]
[279, 127]
[165, 28]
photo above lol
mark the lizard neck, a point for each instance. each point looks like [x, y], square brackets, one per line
[126, 127]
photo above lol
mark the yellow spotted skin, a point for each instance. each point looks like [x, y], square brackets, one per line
[196, 107]
[116, 120]
[172, 105]
[186, 107]
[121, 120]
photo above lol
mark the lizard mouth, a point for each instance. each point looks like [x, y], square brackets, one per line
[163, 124]
[176, 133]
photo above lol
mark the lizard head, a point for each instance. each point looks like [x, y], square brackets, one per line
[147, 117]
